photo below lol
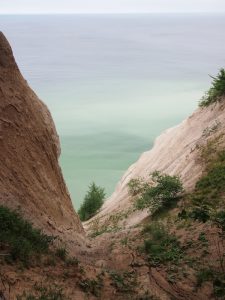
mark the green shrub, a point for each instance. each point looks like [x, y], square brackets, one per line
[204, 275]
[164, 192]
[92, 202]
[219, 219]
[216, 91]
[137, 186]
[92, 286]
[20, 237]
[124, 282]
[202, 214]
[161, 246]
[61, 253]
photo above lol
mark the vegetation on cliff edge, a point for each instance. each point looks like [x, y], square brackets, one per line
[216, 91]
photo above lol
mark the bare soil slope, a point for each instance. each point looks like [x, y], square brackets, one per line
[30, 176]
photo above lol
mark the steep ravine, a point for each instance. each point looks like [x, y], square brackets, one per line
[112, 259]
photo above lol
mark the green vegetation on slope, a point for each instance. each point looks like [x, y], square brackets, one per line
[216, 91]
[207, 201]
[19, 238]
[92, 202]
[161, 246]
[160, 195]
[44, 293]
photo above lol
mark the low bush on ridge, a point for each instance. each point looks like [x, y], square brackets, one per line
[216, 91]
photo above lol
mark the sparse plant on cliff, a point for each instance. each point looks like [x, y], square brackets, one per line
[161, 246]
[19, 237]
[216, 91]
[207, 200]
[61, 252]
[92, 286]
[92, 202]
[161, 194]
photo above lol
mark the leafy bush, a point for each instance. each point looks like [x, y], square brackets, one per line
[20, 237]
[164, 192]
[137, 186]
[92, 202]
[216, 91]
[202, 214]
[161, 247]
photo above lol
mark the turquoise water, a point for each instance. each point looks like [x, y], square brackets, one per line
[114, 82]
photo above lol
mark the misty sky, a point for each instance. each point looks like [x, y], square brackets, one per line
[110, 6]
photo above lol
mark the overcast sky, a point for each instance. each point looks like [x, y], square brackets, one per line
[110, 6]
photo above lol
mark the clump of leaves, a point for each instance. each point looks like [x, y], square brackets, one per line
[92, 202]
[162, 194]
[216, 91]
[161, 247]
[20, 237]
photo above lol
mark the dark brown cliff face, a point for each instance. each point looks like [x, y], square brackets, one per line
[30, 176]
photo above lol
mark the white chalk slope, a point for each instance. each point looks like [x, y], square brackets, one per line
[175, 152]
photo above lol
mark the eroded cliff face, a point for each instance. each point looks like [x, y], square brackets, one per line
[30, 176]
[175, 152]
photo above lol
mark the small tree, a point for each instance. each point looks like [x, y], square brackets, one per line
[92, 202]
[162, 194]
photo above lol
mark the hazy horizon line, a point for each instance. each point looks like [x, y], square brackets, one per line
[112, 13]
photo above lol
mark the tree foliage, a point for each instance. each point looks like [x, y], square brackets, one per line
[216, 91]
[163, 192]
[92, 202]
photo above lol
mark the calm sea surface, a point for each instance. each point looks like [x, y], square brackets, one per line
[114, 82]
